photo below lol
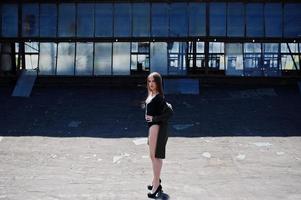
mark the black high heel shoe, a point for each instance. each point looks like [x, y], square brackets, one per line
[150, 187]
[156, 194]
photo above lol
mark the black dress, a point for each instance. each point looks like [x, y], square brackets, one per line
[161, 113]
[155, 108]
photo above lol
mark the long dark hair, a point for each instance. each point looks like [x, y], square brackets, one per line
[158, 80]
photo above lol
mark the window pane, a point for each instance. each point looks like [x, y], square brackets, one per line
[217, 19]
[178, 20]
[121, 58]
[216, 47]
[30, 20]
[84, 59]
[103, 20]
[67, 20]
[177, 58]
[47, 60]
[252, 59]
[31, 47]
[235, 20]
[160, 19]
[103, 59]
[48, 20]
[31, 61]
[9, 20]
[292, 20]
[216, 56]
[31, 55]
[122, 20]
[141, 19]
[271, 59]
[290, 57]
[254, 18]
[65, 60]
[289, 48]
[85, 20]
[273, 20]
[197, 19]
[234, 60]
[158, 56]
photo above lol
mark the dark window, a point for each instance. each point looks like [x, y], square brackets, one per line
[30, 20]
[160, 19]
[197, 19]
[273, 20]
[48, 20]
[103, 20]
[67, 20]
[235, 20]
[85, 20]
[178, 20]
[217, 19]
[9, 20]
[292, 20]
[141, 15]
[122, 20]
[254, 17]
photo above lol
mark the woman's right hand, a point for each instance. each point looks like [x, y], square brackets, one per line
[148, 118]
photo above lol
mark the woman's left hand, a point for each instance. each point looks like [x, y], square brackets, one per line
[148, 118]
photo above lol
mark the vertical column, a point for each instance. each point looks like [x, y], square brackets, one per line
[207, 42]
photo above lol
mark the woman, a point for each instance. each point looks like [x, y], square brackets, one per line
[157, 114]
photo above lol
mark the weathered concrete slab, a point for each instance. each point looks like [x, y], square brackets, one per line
[224, 168]
[25, 83]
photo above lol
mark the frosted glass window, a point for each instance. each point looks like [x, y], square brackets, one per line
[121, 58]
[84, 59]
[217, 19]
[178, 20]
[103, 59]
[122, 20]
[103, 20]
[47, 60]
[234, 59]
[65, 60]
[48, 20]
[197, 19]
[9, 20]
[31, 61]
[67, 20]
[273, 20]
[158, 56]
[292, 20]
[160, 19]
[235, 20]
[254, 17]
[85, 20]
[141, 19]
[30, 20]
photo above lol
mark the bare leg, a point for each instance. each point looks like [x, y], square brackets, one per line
[156, 163]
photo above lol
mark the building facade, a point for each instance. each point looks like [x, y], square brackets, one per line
[130, 38]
